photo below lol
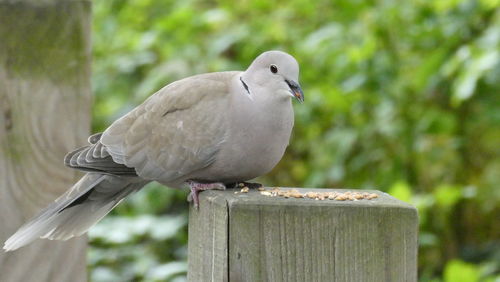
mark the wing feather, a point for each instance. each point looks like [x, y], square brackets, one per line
[176, 131]
[95, 158]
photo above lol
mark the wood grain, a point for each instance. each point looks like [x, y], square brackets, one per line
[208, 235]
[278, 239]
[44, 113]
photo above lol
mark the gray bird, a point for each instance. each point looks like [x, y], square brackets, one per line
[204, 131]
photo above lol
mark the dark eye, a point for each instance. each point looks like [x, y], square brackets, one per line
[273, 68]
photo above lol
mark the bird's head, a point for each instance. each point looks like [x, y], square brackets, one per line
[277, 71]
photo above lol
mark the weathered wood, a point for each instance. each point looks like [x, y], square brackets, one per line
[44, 112]
[251, 237]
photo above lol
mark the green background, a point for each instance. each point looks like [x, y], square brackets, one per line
[401, 96]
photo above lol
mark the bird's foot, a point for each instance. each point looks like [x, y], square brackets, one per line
[197, 187]
[251, 185]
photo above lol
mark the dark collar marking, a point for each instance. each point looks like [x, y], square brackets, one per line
[172, 111]
[245, 85]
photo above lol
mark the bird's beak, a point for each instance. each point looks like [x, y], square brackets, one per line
[296, 90]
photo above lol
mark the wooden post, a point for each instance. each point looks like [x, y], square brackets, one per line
[45, 99]
[252, 237]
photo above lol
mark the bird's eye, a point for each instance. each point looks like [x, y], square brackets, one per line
[273, 68]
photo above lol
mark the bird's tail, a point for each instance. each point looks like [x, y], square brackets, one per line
[73, 213]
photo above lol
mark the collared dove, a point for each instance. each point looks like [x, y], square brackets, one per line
[203, 131]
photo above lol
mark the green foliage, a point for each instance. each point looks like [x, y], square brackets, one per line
[459, 271]
[401, 96]
[401, 190]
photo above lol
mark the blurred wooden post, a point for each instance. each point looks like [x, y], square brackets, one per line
[251, 237]
[45, 99]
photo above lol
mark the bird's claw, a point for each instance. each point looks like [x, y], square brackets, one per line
[197, 187]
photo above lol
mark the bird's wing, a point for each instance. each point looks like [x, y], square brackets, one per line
[176, 131]
[95, 158]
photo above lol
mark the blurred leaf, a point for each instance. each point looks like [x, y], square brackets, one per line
[104, 274]
[447, 195]
[401, 190]
[459, 271]
[119, 230]
[475, 69]
[166, 271]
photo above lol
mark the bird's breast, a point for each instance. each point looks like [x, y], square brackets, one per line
[255, 142]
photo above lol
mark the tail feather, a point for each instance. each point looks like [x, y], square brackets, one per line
[73, 213]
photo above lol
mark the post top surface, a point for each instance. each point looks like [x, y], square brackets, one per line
[234, 197]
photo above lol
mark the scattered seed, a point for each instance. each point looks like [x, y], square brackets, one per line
[310, 195]
[319, 196]
[245, 189]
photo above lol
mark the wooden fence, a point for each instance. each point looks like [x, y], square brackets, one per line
[255, 236]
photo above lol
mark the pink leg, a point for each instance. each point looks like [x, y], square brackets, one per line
[197, 187]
